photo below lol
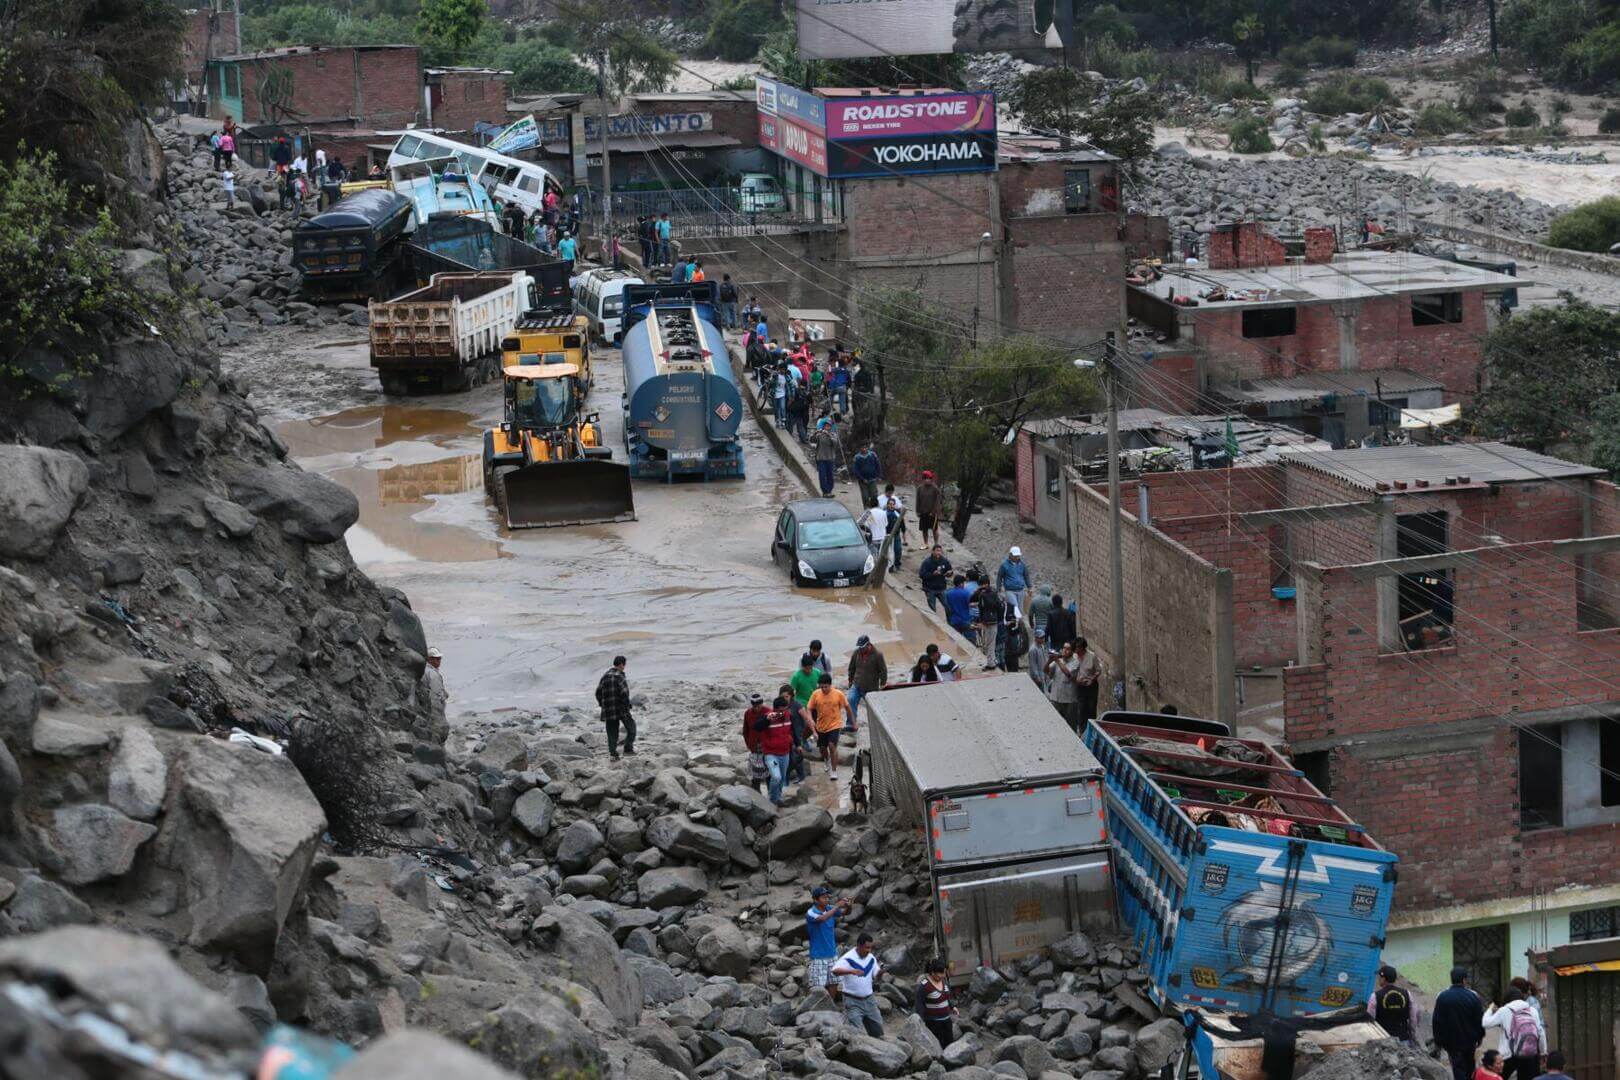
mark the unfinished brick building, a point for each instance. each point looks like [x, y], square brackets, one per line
[1326, 342]
[364, 87]
[1444, 622]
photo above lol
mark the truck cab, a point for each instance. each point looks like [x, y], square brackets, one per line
[549, 337]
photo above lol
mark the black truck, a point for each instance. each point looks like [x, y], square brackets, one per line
[354, 249]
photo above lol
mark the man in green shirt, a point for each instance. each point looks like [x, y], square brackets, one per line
[804, 680]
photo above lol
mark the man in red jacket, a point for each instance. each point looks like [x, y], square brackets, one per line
[775, 733]
[757, 771]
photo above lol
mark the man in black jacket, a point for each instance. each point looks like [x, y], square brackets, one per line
[936, 577]
[1060, 629]
[1458, 1027]
[613, 694]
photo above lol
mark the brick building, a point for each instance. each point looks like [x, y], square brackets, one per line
[1444, 624]
[209, 34]
[363, 87]
[459, 98]
[1310, 340]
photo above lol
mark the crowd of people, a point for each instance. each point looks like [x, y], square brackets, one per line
[551, 228]
[1463, 1021]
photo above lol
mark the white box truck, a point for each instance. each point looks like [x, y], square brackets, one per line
[447, 335]
[1011, 804]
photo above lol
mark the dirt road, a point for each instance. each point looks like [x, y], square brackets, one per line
[529, 619]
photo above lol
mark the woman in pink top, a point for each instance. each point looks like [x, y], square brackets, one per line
[227, 146]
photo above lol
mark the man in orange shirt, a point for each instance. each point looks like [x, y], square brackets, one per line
[828, 709]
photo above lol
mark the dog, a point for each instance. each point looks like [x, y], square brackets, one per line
[857, 786]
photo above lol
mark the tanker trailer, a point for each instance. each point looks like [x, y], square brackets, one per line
[681, 403]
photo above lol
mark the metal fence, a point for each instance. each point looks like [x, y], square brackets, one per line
[705, 211]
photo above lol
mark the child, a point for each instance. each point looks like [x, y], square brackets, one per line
[228, 179]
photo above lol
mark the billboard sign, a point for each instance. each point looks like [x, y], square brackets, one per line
[780, 99]
[624, 126]
[796, 143]
[930, 114]
[909, 155]
[845, 29]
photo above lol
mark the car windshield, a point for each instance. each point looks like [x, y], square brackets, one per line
[544, 402]
[834, 533]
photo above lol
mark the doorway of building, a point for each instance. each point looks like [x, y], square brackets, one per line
[1483, 951]
[1425, 596]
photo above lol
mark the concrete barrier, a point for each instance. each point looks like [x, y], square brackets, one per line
[1524, 249]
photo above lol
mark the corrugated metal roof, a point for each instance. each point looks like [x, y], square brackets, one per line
[1352, 275]
[1440, 466]
[986, 730]
[1340, 383]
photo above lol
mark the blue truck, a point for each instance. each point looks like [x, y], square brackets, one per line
[1259, 906]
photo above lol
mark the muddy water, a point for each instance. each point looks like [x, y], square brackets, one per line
[529, 618]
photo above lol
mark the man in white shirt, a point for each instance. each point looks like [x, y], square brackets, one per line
[320, 163]
[857, 971]
[876, 523]
[890, 503]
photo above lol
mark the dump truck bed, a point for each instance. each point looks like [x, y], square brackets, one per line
[1246, 888]
[453, 320]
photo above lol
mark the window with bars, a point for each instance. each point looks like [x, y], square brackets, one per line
[1603, 922]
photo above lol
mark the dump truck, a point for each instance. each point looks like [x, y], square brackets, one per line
[447, 335]
[354, 248]
[545, 465]
[1259, 906]
[1011, 806]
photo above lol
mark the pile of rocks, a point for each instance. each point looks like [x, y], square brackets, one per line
[1197, 193]
[239, 260]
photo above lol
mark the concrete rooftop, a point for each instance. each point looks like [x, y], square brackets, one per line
[1379, 469]
[1352, 275]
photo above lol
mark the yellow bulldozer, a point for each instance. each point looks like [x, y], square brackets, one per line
[546, 465]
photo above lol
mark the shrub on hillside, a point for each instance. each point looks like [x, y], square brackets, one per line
[1522, 115]
[1249, 136]
[1350, 94]
[1320, 52]
[1609, 123]
[1594, 226]
[1438, 118]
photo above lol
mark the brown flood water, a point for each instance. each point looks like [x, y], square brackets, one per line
[530, 618]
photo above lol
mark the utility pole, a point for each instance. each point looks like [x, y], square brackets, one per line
[607, 175]
[1116, 562]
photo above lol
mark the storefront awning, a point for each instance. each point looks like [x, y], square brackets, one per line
[644, 144]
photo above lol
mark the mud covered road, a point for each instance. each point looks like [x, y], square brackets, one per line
[529, 619]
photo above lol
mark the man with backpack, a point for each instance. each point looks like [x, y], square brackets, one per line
[991, 633]
[1393, 1008]
[1525, 1036]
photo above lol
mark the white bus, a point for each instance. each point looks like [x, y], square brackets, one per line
[507, 179]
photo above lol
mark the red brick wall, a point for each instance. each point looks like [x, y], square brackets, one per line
[462, 99]
[1024, 467]
[1067, 274]
[1212, 492]
[1320, 243]
[208, 34]
[1605, 569]
[1385, 338]
[1246, 245]
[374, 88]
[1173, 385]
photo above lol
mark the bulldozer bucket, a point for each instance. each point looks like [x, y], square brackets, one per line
[550, 493]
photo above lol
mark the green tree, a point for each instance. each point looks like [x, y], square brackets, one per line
[610, 38]
[61, 281]
[737, 28]
[1605, 439]
[1593, 226]
[539, 67]
[1249, 34]
[1067, 102]
[446, 29]
[1545, 373]
[957, 405]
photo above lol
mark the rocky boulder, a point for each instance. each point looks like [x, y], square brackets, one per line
[91, 843]
[419, 1055]
[679, 836]
[724, 950]
[538, 1037]
[307, 506]
[672, 886]
[239, 833]
[592, 958]
[139, 775]
[39, 491]
[1157, 1044]
[533, 811]
[796, 830]
[749, 805]
[1028, 1053]
[877, 1056]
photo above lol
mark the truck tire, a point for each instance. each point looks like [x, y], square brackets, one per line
[489, 463]
[499, 484]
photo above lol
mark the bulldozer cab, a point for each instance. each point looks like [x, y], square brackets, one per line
[542, 396]
[545, 338]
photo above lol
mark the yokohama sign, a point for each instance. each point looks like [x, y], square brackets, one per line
[967, 152]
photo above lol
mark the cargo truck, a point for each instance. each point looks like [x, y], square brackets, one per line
[1011, 807]
[447, 335]
[1259, 906]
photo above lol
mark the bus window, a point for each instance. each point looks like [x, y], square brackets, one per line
[408, 146]
[529, 183]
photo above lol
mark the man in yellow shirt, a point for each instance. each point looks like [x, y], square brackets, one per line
[828, 709]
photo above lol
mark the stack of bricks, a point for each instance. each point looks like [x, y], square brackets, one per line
[1320, 243]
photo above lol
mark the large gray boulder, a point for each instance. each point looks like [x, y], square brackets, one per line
[533, 812]
[307, 506]
[239, 833]
[414, 1054]
[1074, 951]
[136, 974]
[90, 842]
[577, 847]
[39, 491]
[671, 886]
[679, 836]
[877, 1056]
[41, 905]
[592, 958]
[724, 950]
[139, 775]
[796, 830]
[1028, 1053]
[538, 1037]
[1157, 1044]
[748, 804]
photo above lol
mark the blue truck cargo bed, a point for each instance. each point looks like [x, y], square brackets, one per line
[1247, 889]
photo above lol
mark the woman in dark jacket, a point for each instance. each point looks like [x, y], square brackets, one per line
[924, 671]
